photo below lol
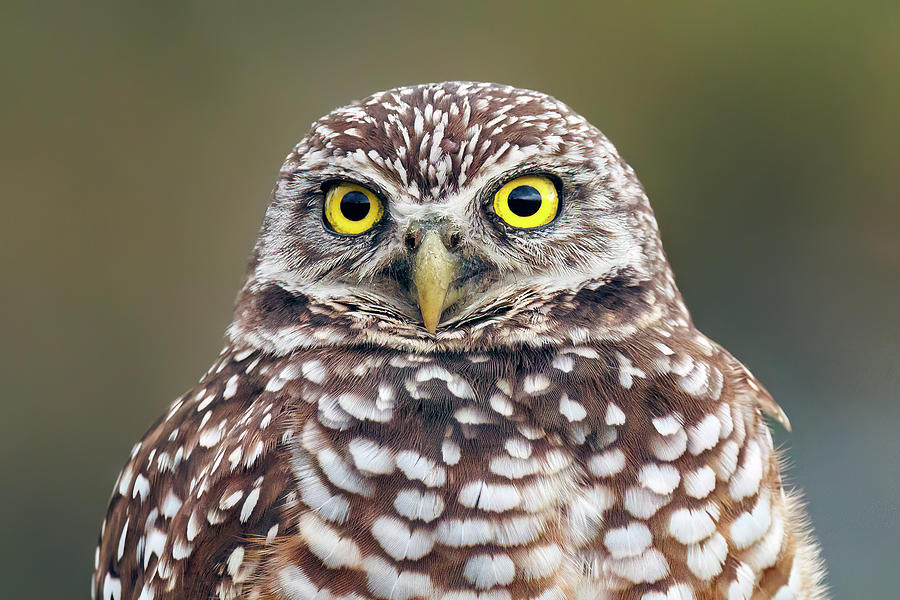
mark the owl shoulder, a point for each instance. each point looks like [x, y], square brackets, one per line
[207, 480]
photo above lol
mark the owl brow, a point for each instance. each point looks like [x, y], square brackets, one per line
[536, 168]
[322, 179]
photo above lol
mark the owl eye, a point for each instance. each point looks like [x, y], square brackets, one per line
[351, 209]
[527, 202]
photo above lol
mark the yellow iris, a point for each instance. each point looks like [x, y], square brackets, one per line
[351, 209]
[527, 202]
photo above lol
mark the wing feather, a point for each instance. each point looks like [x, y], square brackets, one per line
[207, 480]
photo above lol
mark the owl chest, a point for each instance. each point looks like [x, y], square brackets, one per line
[430, 483]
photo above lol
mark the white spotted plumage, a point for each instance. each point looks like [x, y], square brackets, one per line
[565, 433]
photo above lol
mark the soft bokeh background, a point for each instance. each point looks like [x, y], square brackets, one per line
[140, 142]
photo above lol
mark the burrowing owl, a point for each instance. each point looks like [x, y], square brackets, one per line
[460, 369]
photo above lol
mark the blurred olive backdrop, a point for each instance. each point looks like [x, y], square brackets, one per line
[140, 142]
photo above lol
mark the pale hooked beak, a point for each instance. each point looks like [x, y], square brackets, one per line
[434, 269]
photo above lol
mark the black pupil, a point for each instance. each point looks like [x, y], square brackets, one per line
[524, 200]
[355, 206]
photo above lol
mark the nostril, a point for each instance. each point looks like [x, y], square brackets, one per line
[453, 240]
[412, 239]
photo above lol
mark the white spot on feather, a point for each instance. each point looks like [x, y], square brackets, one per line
[399, 541]
[704, 435]
[489, 496]
[669, 424]
[485, 571]
[418, 505]
[450, 452]
[644, 503]
[564, 363]
[141, 487]
[249, 504]
[630, 540]
[669, 447]
[231, 500]
[662, 479]
[607, 463]
[535, 383]
[230, 387]
[690, 526]
[705, 559]
[112, 588]
[170, 505]
[370, 457]
[570, 409]
[327, 544]
[648, 567]
[700, 482]
[421, 468]
[614, 415]
[747, 478]
[749, 527]
[385, 581]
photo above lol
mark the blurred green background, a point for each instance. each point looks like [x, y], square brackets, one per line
[140, 142]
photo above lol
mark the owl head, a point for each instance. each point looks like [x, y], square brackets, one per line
[454, 216]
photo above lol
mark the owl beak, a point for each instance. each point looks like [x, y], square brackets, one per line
[434, 270]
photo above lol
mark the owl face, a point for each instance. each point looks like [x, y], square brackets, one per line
[452, 215]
